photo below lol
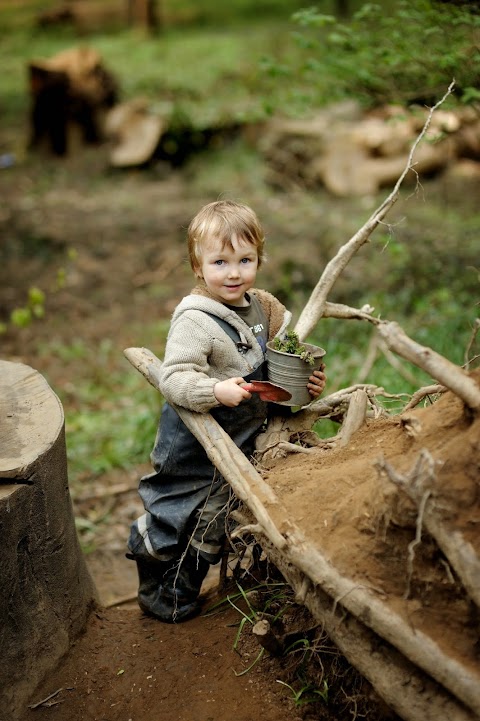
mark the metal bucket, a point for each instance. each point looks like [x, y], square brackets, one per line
[292, 372]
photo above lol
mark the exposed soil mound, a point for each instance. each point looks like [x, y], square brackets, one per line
[370, 531]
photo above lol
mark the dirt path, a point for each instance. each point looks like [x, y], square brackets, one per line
[128, 666]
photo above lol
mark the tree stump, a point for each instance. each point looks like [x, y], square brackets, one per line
[46, 592]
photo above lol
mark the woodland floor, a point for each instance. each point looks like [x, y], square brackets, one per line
[129, 667]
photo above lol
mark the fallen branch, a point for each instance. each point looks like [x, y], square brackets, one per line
[440, 368]
[408, 691]
[224, 454]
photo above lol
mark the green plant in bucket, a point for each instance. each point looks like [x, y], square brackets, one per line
[290, 344]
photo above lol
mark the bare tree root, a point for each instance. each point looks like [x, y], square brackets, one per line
[460, 553]
[426, 391]
[355, 416]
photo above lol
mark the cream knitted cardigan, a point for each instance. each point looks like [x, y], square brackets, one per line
[198, 352]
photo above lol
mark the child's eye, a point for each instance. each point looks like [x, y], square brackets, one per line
[246, 260]
[219, 262]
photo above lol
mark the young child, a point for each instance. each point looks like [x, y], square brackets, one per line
[216, 344]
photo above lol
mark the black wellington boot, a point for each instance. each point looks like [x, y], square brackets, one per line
[177, 599]
[150, 579]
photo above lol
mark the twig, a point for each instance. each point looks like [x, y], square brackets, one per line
[413, 544]
[475, 329]
[44, 701]
[419, 395]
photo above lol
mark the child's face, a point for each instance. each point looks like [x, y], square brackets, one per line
[228, 272]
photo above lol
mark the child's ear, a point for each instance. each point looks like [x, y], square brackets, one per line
[198, 272]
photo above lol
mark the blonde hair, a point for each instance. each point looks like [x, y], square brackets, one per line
[221, 220]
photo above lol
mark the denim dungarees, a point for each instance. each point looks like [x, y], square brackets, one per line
[186, 498]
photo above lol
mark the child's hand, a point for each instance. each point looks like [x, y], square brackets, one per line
[230, 392]
[317, 382]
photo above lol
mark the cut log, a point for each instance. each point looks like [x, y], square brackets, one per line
[266, 637]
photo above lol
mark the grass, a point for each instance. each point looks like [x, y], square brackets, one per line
[112, 411]
[208, 71]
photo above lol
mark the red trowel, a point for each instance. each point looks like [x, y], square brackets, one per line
[268, 391]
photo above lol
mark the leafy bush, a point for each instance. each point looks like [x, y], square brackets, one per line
[408, 54]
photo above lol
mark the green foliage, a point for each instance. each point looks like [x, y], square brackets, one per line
[272, 601]
[112, 412]
[307, 693]
[390, 54]
[23, 316]
[290, 343]
[288, 58]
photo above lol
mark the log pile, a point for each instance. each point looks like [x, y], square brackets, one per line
[355, 154]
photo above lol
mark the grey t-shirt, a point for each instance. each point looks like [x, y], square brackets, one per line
[253, 315]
